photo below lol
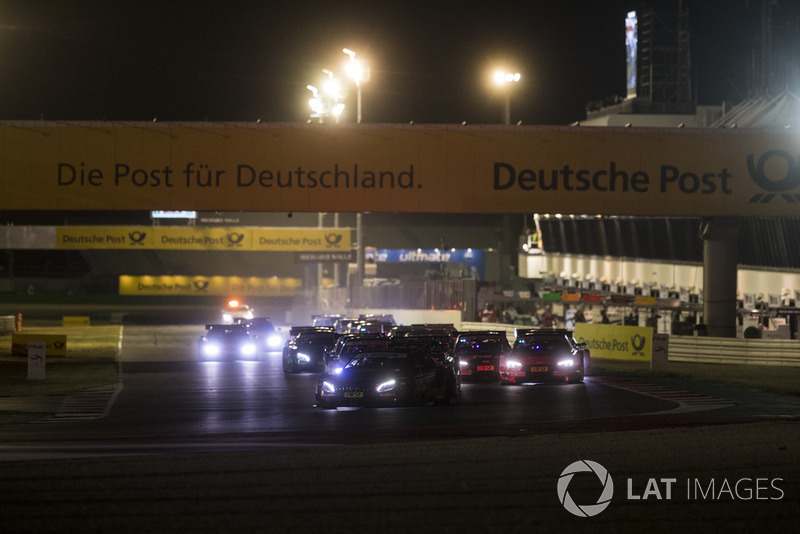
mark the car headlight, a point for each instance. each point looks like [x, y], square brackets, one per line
[227, 318]
[567, 362]
[386, 386]
[248, 349]
[328, 387]
[248, 315]
[337, 370]
[274, 341]
[513, 364]
[304, 358]
[463, 363]
[211, 349]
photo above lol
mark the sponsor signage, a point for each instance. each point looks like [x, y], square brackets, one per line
[315, 257]
[398, 168]
[204, 238]
[616, 342]
[54, 344]
[474, 258]
[208, 286]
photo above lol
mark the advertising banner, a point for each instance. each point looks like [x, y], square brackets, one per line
[203, 238]
[615, 342]
[208, 286]
[55, 344]
[398, 168]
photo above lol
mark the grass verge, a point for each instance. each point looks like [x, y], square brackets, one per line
[91, 361]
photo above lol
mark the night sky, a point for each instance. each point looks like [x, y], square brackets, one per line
[244, 60]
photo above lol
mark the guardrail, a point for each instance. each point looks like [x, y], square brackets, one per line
[734, 350]
[702, 349]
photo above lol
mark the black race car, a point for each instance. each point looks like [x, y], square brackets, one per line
[348, 346]
[262, 329]
[478, 354]
[385, 378]
[435, 345]
[226, 342]
[305, 350]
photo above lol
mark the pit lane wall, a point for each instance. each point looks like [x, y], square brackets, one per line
[633, 343]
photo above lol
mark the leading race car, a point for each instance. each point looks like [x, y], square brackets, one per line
[262, 329]
[478, 354]
[226, 342]
[547, 355]
[385, 378]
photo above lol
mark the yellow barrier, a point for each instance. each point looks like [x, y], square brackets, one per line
[56, 344]
[615, 342]
[75, 320]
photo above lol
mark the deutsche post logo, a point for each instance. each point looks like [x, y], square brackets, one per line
[235, 239]
[775, 185]
[201, 286]
[137, 237]
[333, 239]
[638, 342]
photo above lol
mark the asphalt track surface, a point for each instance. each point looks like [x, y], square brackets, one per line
[184, 446]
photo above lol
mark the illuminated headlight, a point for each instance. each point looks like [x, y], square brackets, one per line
[303, 358]
[211, 350]
[513, 364]
[248, 349]
[274, 341]
[227, 318]
[463, 363]
[337, 370]
[248, 314]
[567, 362]
[328, 387]
[386, 386]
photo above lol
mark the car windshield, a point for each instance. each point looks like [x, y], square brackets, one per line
[395, 362]
[541, 344]
[487, 344]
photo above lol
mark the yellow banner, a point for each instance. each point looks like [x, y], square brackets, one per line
[398, 168]
[75, 320]
[208, 286]
[615, 342]
[194, 238]
[56, 344]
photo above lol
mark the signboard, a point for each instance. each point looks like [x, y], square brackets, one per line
[55, 344]
[37, 360]
[398, 168]
[474, 258]
[282, 239]
[208, 286]
[615, 342]
[316, 257]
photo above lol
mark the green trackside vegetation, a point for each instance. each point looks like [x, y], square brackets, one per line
[91, 361]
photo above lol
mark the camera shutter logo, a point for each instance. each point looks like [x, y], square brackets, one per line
[788, 182]
[585, 510]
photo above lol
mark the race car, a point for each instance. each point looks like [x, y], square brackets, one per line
[547, 355]
[261, 328]
[478, 354]
[235, 309]
[385, 378]
[226, 342]
[348, 346]
[305, 351]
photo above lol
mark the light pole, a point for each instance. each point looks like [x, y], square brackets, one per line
[326, 102]
[359, 72]
[504, 80]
